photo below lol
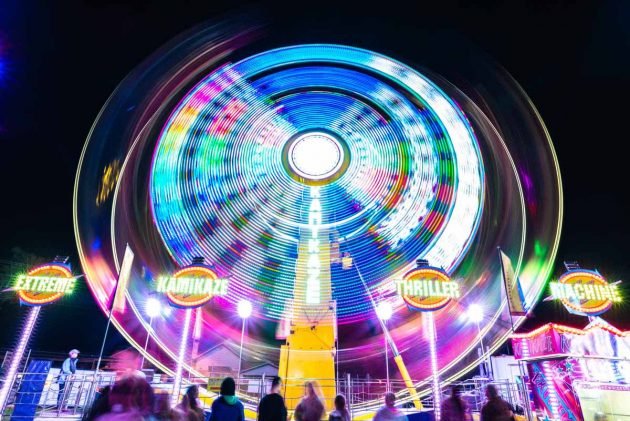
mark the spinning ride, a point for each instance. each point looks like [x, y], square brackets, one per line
[312, 177]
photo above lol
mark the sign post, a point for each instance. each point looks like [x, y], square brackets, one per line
[428, 289]
[42, 285]
[189, 288]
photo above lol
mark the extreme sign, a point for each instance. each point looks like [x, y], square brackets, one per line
[192, 286]
[44, 284]
[427, 289]
[585, 292]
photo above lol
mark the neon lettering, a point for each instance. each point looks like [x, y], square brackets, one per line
[192, 286]
[313, 266]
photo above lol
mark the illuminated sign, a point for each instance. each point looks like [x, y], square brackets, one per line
[44, 284]
[427, 289]
[585, 292]
[313, 267]
[192, 286]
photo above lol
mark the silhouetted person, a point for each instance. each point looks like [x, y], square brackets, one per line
[310, 407]
[189, 407]
[340, 413]
[495, 409]
[131, 399]
[454, 408]
[163, 410]
[227, 407]
[272, 407]
[100, 405]
[389, 412]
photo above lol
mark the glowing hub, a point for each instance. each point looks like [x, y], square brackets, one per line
[316, 158]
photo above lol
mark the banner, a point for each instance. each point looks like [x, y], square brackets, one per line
[120, 303]
[512, 286]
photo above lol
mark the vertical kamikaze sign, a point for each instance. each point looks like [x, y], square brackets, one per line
[313, 269]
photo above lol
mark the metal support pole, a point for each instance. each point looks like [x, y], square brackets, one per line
[240, 354]
[483, 352]
[387, 387]
[177, 382]
[434, 366]
[146, 342]
[100, 354]
[349, 392]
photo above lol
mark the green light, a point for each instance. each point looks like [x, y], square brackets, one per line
[192, 286]
[428, 288]
[584, 292]
[43, 284]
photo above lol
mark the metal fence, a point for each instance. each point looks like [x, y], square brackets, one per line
[363, 396]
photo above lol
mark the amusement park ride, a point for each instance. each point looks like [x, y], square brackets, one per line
[311, 179]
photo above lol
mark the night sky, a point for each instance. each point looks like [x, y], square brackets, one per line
[59, 62]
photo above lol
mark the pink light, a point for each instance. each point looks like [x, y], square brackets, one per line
[177, 382]
[27, 330]
[551, 389]
[434, 365]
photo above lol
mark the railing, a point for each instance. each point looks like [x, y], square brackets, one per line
[363, 396]
[67, 399]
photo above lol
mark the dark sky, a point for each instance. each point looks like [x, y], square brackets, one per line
[59, 61]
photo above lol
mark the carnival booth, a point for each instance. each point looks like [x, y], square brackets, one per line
[578, 374]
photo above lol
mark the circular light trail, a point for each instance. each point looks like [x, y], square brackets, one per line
[203, 151]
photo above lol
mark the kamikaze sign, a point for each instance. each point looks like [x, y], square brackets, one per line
[192, 286]
[427, 289]
[585, 292]
[44, 284]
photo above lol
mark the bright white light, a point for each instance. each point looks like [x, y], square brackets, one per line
[434, 365]
[316, 156]
[177, 381]
[475, 313]
[384, 310]
[153, 307]
[244, 309]
[18, 354]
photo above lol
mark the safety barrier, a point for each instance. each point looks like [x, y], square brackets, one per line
[363, 396]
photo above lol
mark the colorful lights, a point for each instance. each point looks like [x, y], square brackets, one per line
[192, 286]
[427, 289]
[585, 292]
[243, 152]
[181, 357]
[17, 356]
[432, 337]
[44, 284]
[552, 396]
[37, 284]
[219, 188]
